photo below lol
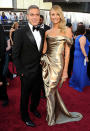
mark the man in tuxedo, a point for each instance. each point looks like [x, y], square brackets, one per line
[42, 25]
[3, 88]
[26, 52]
[88, 65]
[70, 66]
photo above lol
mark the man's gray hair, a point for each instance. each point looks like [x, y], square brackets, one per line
[32, 7]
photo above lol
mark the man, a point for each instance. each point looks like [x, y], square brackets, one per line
[26, 51]
[70, 66]
[42, 25]
[88, 64]
[3, 89]
[4, 18]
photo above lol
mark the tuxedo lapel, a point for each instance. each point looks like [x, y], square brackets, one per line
[30, 36]
[32, 39]
[42, 39]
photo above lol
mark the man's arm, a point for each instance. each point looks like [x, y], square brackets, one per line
[16, 51]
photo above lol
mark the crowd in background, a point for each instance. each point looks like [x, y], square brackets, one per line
[10, 17]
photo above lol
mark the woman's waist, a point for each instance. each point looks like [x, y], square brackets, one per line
[52, 59]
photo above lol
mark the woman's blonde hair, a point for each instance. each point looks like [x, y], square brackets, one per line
[14, 25]
[62, 24]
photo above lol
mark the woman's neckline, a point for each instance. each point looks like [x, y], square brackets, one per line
[55, 36]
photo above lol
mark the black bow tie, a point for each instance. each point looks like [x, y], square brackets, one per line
[36, 28]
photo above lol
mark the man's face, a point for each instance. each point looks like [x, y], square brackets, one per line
[33, 16]
[41, 21]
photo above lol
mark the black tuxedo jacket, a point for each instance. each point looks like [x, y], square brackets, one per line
[3, 43]
[25, 54]
[88, 65]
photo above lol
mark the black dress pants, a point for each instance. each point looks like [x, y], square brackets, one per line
[30, 86]
[3, 88]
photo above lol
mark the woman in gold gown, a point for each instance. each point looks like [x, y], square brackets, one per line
[54, 67]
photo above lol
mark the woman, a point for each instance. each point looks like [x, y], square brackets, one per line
[12, 30]
[8, 57]
[54, 65]
[79, 78]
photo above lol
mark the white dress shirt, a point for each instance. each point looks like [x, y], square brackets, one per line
[37, 36]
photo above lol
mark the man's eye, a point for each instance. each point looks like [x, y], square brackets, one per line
[34, 14]
[31, 14]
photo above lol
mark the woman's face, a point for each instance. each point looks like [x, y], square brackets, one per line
[55, 17]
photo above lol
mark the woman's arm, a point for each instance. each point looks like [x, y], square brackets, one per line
[8, 45]
[45, 44]
[10, 35]
[82, 41]
[67, 54]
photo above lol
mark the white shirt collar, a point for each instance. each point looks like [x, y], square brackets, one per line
[31, 26]
[36, 35]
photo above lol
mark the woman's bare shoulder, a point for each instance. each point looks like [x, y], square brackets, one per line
[47, 32]
[68, 32]
[12, 29]
[83, 38]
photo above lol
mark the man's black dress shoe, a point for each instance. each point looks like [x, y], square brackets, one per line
[36, 113]
[29, 123]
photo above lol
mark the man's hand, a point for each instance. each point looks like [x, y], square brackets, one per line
[22, 74]
[1, 83]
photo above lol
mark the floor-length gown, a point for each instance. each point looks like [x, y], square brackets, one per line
[52, 67]
[79, 78]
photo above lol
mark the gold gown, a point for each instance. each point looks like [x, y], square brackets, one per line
[52, 67]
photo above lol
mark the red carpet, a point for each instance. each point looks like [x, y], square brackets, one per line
[75, 101]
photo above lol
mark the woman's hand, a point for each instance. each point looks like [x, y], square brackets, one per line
[64, 76]
[86, 59]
